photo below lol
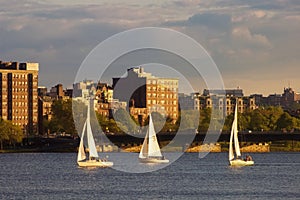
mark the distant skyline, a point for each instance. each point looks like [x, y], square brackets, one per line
[254, 43]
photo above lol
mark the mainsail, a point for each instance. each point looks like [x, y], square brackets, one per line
[234, 136]
[90, 138]
[150, 145]
[91, 142]
[231, 155]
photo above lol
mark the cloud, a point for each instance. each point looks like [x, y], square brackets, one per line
[187, 3]
[239, 35]
[211, 20]
[252, 15]
[244, 36]
[70, 13]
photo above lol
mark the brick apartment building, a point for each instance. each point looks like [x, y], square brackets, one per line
[18, 94]
[145, 92]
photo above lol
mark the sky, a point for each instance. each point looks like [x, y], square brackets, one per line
[255, 44]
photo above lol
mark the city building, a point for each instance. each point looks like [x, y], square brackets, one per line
[57, 92]
[104, 104]
[260, 100]
[45, 102]
[42, 91]
[104, 96]
[145, 92]
[222, 100]
[284, 100]
[228, 92]
[44, 112]
[84, 89]
[188, 102]
[289, 97]
[19, 94]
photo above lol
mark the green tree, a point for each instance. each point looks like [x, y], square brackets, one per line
[10, 133]
[272, 114]
[286, 122]
[204, 119]
[258, 121]
[4, 133]
[62, 117]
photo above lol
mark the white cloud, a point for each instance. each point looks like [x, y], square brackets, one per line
[244, 35]
[58, 34]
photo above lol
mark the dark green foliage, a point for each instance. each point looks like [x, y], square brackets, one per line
[9, 133]
[271, 118]
[262, 119]
[62, 117]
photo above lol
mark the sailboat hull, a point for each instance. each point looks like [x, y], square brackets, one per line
[240, 162]
[153, 160]
[95, 163]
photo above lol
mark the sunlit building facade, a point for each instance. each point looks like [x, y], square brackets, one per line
[146, 93]
[18, 94]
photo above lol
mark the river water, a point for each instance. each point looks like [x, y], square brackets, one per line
[56, 176]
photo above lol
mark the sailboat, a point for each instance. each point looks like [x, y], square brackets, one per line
[93, 160]
[237, 160]
[150, 152]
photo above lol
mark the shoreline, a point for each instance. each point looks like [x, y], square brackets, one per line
[71, 146]
[197, 149]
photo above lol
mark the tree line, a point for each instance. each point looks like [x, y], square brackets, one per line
[270, 118]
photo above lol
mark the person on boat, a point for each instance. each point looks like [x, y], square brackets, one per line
[92, 158]
[248, 158]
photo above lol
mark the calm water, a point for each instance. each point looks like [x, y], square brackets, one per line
[56, 176]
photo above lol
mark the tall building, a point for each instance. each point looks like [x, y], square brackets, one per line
[145, 93]
[19, 95]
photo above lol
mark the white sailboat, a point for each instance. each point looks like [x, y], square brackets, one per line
[93, 160]
[237, 160]
[150, 152]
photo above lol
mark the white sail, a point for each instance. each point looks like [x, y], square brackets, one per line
[234, 137]
[235, 129]
[150, 145]
[153, 149]
[81, 158]
[81, 153]
[231, 155]
[91, 141]
[238, 161]
[144, 150]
